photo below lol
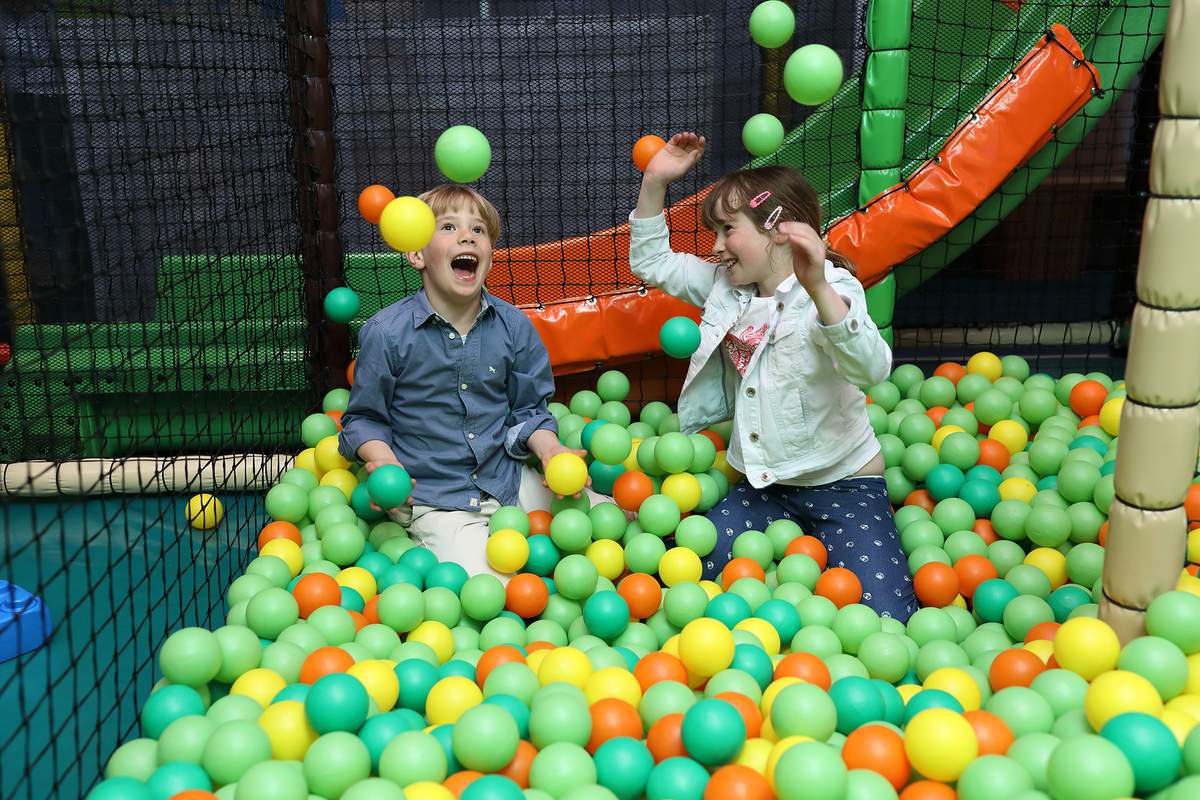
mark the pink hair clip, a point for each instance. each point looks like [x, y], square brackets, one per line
[759, 199]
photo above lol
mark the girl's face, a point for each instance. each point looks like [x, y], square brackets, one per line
[746, 251]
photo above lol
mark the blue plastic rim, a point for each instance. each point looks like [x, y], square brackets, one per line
[24, 621]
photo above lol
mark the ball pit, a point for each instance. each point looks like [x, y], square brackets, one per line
[353, 664]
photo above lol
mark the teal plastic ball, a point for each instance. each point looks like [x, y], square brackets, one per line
[341, 304]
[679, 337]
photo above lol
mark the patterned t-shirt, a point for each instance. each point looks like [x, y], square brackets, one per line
[748, 332]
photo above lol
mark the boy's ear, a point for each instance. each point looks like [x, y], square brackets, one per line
[416, 259]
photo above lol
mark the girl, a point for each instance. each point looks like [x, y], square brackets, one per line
[785, 339]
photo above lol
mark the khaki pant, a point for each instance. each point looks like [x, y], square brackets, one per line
[461, 536]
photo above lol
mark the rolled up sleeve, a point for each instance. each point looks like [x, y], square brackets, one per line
[530, 387]
[367, 416]
[859, 352]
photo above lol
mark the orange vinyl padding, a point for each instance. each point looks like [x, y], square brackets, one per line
[1046, 89]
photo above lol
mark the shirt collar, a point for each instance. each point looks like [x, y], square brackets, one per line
[423, 311]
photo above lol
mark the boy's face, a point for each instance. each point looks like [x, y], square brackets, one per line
[457, 260]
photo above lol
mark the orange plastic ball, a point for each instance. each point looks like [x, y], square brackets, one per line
[936, 413]
[336, 416]
[459, 781]
[928, 790]
[714, 437]
[659, 666]
[360, 621]
[993, 454]
[984, 530]
[194, 794]
[839, 585]
[1191, 503]
[737, 782]
[526, 595]
[739, 568]
[494, 657]
[810, 546]
[350, 371]
[642, 593]
[950, 370]
[922, 498]
[315, 590]
[880, 750]
[645, 149]
[324, 661]
[613, 717]
[992, 732]
[1043, 630]
[372, 200]
[280, 529]
[973, 570]
[805, 666]
[665, 738]
[1015, 666]
[539, 523]
[936, 584]
[371, 610]
[751, 715]
[631, 488]
[1087, 398]
[518, 769]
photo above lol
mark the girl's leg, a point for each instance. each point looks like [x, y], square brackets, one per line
[854, 521]
[743, 509]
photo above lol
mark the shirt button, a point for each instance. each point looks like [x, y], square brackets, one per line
[474, 475]
[451, 335]
[464, 387]
[470, 436]
[749, 391]
[754, 437]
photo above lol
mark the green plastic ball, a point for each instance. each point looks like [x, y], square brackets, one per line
[462, 153]
[1108, 772]
[812, 74]
[772, 24]
[762, 134]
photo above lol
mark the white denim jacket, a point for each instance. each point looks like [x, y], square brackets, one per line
[798, 414]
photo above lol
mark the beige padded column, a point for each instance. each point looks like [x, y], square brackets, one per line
[1160, 424]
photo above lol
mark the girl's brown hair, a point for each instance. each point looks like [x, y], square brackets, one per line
[789, 190]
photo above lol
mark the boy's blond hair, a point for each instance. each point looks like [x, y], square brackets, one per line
[445, 197]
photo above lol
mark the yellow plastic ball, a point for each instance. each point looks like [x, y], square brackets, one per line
[711, 588]
[1193, 678]
[1017, 489]
[680, 565]
[507, 550]
[342, 479]
[378, 677]
[427, 790]
[630, 463]
[360, 580]
[1188, 583]
[1193, 546]
[1010, 434]
[958, 683]
[684, 489]
[940, 743]
[567, 664]
[729, 472]
[449, 698]
[406, 224]
[608, 557]
[260, 685]
[566, 474]
[705, 646]
[534, 660]
[772, 691]
[671, 646]
[328, 456]
[754, 754]
[762, 630]
[1110, 415]
[288, 730]
[1087, 647]
[907, 690]
[437, 636]
[768, 732]
[204, 512]
[1051, 562]
[1042, 648]
[959, 601]
[1117, 692]
[286, 551]
[777, 751]
[1186, 704]
[986, 364]
[613, 682]
[1179, 724]
[308, 460]
[941, 433]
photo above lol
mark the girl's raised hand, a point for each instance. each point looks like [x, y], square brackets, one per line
[679, 155]
[808, 252]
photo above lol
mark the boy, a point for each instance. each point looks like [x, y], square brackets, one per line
[453, 384]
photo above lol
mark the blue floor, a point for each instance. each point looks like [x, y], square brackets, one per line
[119, 574]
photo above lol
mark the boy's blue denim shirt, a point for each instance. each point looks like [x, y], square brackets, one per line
[457, 411]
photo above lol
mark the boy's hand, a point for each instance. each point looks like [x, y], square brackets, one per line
[808, 253]
[376, 463]
[545, 445]
[679, 155]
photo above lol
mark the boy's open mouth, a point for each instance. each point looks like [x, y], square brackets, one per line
[465, 266]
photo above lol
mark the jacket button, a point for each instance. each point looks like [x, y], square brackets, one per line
[766, 476]
[853, 325]
[779, 306]
[754, 437]
[749, 391]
